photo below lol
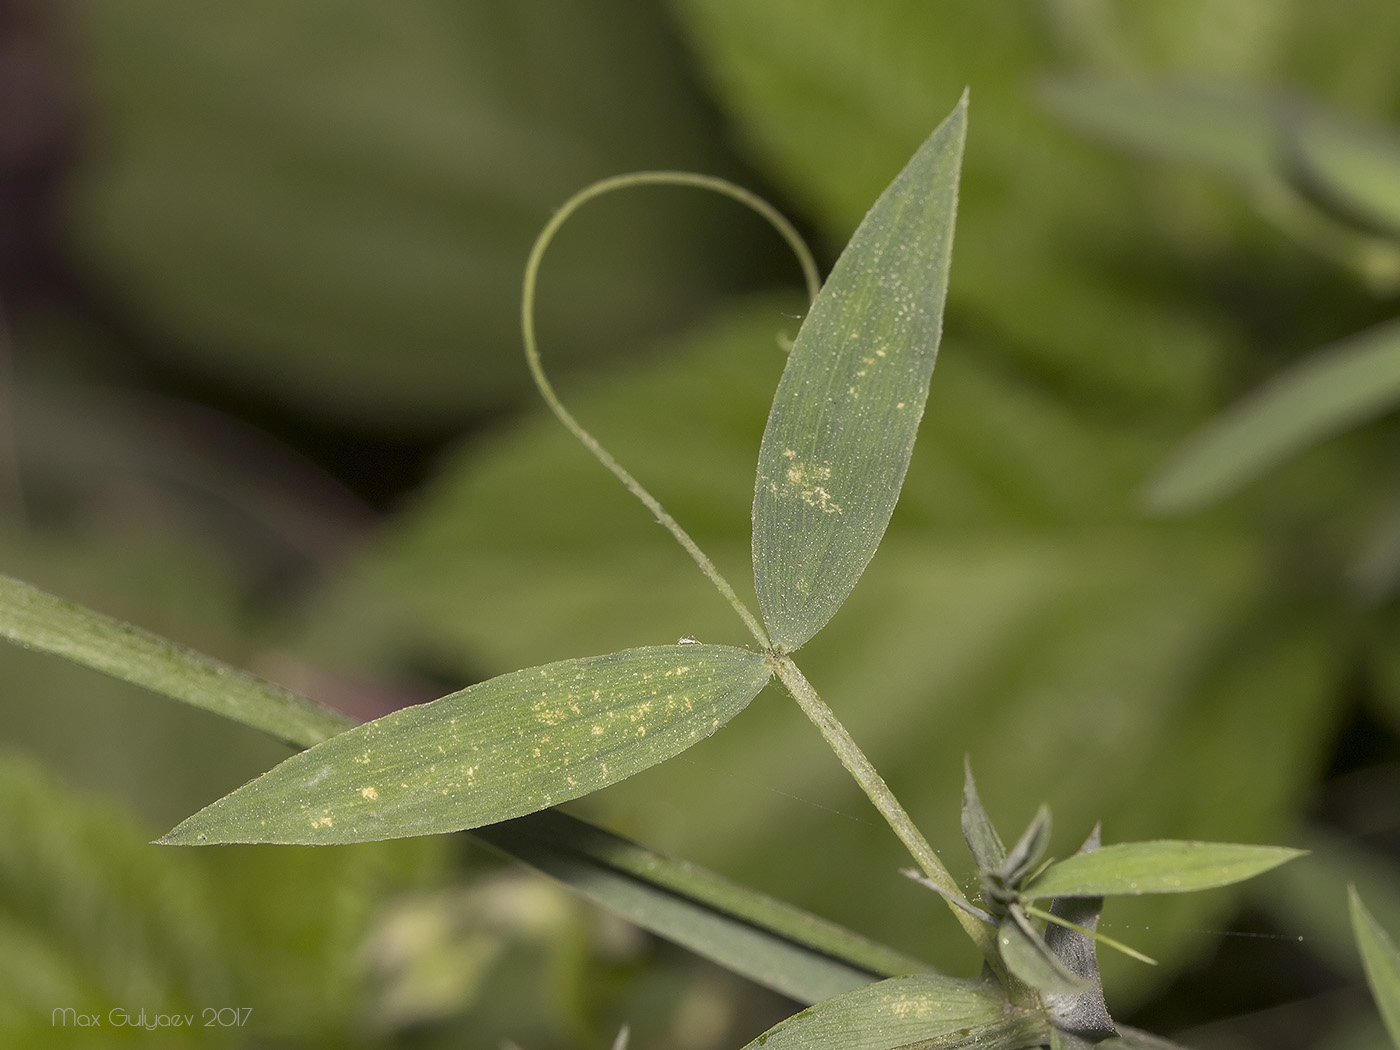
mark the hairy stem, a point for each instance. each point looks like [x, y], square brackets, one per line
[875, 788]
[532, 353]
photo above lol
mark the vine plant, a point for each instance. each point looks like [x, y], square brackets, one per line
[494, 758]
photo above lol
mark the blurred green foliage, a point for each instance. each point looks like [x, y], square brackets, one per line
[327, 207]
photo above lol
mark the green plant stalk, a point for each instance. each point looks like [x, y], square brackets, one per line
[1133, 953]
[532, 353]
[35, 619]
[853, 758]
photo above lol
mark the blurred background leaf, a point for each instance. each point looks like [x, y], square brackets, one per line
[331, 206]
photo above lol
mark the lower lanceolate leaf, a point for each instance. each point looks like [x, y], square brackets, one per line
[925, 1012]
[503, 748]
[1164, 866]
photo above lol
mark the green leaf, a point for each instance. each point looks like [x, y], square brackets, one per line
[1230, 131]
[848, 406]
[982, 839]
[835, 96]
[37, 620]
[1027, 956]
[1319, 177]
[767, 940]
[1349, 168]
[334, 205]
[88, 914]
[924, 1012]
[1382, 960]
[1131, 868]
[503, 748]
[1330, 391]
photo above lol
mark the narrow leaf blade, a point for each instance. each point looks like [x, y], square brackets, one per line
[1164, 866]
[844, 418]
[1029, 848]
[1382, 962]
[35, 619]
[1333, 389]
[500, 749]
[769, 941]
[921, 1011]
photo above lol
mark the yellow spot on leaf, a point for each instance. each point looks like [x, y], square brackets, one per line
[807, 484]
[369, 792]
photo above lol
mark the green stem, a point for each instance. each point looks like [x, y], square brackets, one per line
[532, 353]
[1041, 913]
[839, 739]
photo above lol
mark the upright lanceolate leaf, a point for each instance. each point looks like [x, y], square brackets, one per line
[1165, 866]
[843, 421]
[925, 1011]
[1382, 961]
[506, 747]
